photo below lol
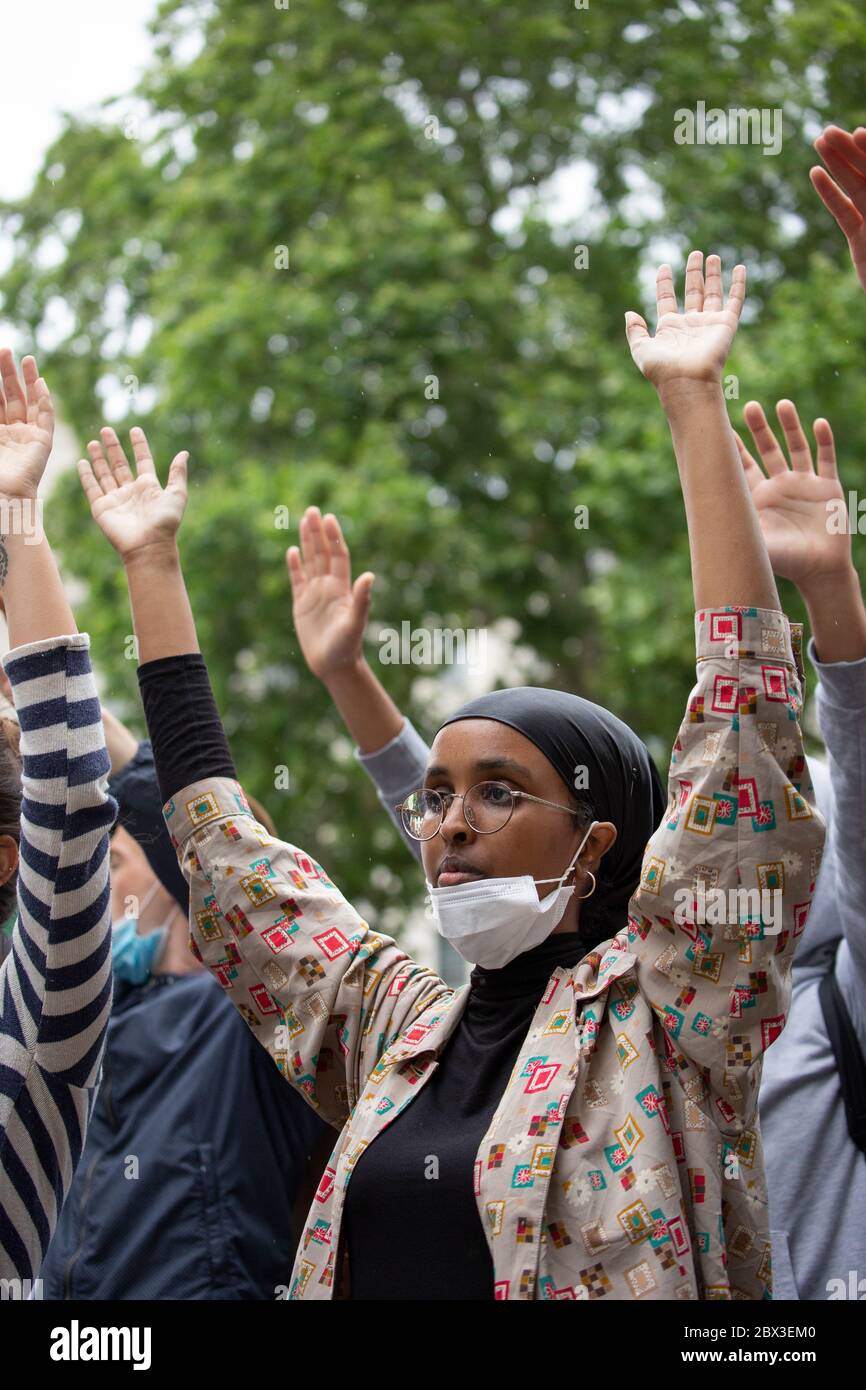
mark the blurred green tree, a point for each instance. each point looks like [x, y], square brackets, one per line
[332, 250]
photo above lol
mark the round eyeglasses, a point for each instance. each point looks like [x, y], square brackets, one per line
[487, 807]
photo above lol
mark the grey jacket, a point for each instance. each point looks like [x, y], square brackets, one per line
[816, 1176]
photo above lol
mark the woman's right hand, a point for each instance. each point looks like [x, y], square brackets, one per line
[132, 510]
[329, 612]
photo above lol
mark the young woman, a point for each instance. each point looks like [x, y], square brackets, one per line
[55, 815]
[589, 1123]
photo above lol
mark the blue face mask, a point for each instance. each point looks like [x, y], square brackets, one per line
[133, 956]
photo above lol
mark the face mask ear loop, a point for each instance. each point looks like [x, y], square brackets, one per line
[562, 877]
[146, 901]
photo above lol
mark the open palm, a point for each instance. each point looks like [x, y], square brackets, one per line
[692, 345]
[26, 427]
[132, 509]
[791, 502]
[329, 612]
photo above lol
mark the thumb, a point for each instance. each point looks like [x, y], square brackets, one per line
[361, 591]
[177, 476]
[635, 328]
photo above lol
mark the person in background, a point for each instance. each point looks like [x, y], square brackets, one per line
[55, 817]
[815, 1158]
[816, 1174]
[200, 1162]
[330, 615]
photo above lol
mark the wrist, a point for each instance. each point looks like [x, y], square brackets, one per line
[680, 395]
[345, 676]
[22, 494]
[162, 554]
[827, 590]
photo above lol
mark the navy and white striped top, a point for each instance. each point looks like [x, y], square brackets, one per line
[55, 985]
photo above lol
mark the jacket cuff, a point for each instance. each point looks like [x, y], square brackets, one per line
[199, 803]
[843, 683]
[45, 644]
[396, 765]
[735, 633]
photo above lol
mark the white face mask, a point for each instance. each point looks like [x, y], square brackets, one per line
[492, 920]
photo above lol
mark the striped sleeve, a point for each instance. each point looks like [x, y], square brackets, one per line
[55, 985]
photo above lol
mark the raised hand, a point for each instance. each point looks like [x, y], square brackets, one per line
[329, 612]
[26, 427]
[844, 154]
[693, 345]
[791, 502]
[132, 509]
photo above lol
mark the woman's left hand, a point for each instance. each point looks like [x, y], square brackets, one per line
[693, 345]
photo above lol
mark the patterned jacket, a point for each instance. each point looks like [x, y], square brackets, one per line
[624, 1160]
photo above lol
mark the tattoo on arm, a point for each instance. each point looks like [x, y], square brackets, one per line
[4, 561]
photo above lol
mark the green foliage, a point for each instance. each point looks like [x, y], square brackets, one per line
[308, 129]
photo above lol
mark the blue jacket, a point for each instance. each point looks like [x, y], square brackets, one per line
[196, 1153]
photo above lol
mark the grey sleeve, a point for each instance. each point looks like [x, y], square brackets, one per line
[841, 705]
[396, 770]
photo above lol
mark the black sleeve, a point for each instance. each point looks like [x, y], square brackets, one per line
[189, 743]
[140, 813]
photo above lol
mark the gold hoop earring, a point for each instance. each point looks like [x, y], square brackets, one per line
[581, 897]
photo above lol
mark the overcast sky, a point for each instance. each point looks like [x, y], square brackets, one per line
[61, 57]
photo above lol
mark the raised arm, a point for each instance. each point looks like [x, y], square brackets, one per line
[713, 953]
[798, 507]
[321, 991]
[330, 615]
[55, 985]
[684, 361]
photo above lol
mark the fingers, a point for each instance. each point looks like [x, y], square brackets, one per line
[296, 572]
[694, 298]
[666, 298]
[838, 150]
[713, 297]
[177, 475]
[635, 328]
[341, 564]
[835, 201]
[313, 548]
[826, 448]
[323, 551]
[14, 402]
[91, 488]
[30, 372]
[754, 476]
[361, 594]
[141, 453]
[798, 444]
[117, 462]
[737, 292]
[767, 445]
[40, 407]
[100, 468]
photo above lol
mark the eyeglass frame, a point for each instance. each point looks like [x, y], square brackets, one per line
[461, 796]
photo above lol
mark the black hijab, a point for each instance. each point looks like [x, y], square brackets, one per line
[621, 783]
